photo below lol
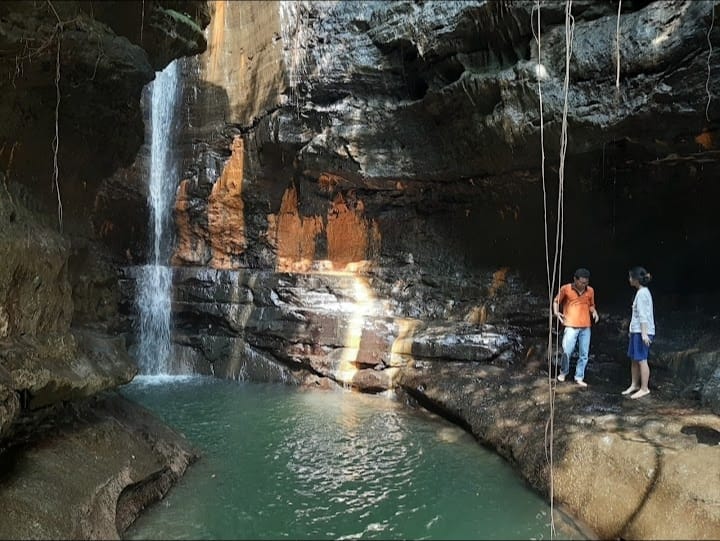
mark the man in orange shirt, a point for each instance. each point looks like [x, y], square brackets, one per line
[577, 301]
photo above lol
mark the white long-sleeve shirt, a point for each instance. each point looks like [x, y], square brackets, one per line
[642, 311]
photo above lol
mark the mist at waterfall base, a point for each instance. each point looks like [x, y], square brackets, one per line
[154, 280]
[278, 462]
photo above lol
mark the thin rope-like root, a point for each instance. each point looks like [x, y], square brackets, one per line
[560, 231]
[142, 21]
[467, 93]
[54, 11]
[559, 240]
[6, 177]
[11, 158]
[550, 424]
[617, 46]
[707, 82]
[542, 140]
[55, 36]
[56, 139]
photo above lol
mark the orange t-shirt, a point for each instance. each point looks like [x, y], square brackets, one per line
[576, 307]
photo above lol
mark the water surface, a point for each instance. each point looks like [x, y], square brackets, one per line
[284, 463]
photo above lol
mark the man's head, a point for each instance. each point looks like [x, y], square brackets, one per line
[581, 279]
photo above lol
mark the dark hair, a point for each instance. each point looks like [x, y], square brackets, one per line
[582, 273]
[641, 275]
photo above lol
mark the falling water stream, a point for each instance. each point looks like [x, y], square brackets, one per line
[154, 280]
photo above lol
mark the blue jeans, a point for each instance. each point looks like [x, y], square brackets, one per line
[573, 336]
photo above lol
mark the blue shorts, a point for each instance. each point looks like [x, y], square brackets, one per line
[637, 350]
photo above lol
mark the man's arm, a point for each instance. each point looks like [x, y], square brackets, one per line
[593, 311]
[556, 307]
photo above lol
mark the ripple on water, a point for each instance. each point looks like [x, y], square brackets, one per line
[279, 462]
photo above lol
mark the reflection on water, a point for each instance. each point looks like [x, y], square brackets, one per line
[279, 462]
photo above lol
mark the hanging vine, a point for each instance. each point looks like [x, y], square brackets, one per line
[8, 169]
[553, 275]
[56, 138]
[707, 81]
[549, 427]
[142, 21]
[560, 226]
[617, 47]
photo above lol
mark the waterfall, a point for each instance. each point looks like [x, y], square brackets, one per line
[154, 280]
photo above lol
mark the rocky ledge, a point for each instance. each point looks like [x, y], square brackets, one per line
[89, 472]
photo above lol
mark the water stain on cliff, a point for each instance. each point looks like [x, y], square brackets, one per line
[351, 239]
[226, 222]
[293, 235]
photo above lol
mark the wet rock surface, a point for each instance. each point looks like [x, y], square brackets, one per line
[44, 358]
[84, 470]
[326, 320]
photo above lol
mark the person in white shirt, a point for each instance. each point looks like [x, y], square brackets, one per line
[642, 333]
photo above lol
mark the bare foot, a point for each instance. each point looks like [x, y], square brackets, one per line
[630, 389]
[640, 394]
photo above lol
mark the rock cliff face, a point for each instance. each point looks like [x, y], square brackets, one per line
[404, 139]
[73, 73]
[364, 203]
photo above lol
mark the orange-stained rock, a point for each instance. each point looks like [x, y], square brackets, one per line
[191, 243]
[348, 235]
[226, 222]
[499, 280]
[292, 235]
[328, 181]
[352, 240]
[477, 315]
[705, 139]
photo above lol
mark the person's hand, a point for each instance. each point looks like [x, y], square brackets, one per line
[596, 316]
[561, 317]
[646, 339]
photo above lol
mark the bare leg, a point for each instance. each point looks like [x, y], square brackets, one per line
[634, 377]
[644, 378]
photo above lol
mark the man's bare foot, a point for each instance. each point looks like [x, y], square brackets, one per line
[640, 393]
[630, 389]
